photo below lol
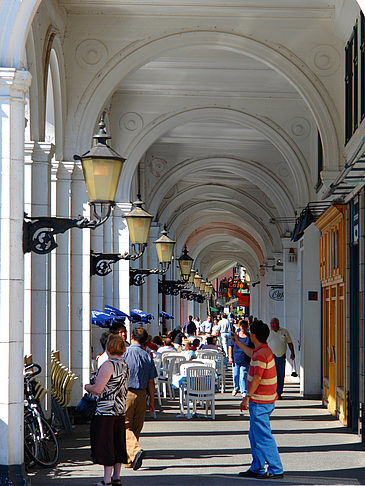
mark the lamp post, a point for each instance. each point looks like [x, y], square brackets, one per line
[102, 167]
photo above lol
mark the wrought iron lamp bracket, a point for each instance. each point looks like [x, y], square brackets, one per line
[39, 232]
[100, 263]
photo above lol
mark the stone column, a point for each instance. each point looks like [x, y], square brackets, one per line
[121, 271]
[97, 289]
[151, 285]
[13, 86]
[310, 321]
[80, 341]
[38, 157]
[291, 318]
[61, 261]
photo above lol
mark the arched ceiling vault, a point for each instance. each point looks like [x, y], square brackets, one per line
[129, 59]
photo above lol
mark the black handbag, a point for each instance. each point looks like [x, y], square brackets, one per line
[86, 406]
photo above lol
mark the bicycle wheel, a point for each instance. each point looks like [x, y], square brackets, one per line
[47, 444]
[30, 441]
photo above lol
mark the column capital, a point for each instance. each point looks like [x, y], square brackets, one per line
[13, 82]
[62, 170]
[122, 208]
[39, 151]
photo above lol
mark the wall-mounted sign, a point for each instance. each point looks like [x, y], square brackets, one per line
[276, 294]
[312, 295]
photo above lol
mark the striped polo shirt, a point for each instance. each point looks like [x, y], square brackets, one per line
[263, 364]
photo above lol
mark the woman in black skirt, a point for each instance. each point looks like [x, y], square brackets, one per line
[107, 429]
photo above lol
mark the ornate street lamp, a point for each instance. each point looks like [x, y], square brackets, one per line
[192, 275]
[164, 247]
[102, 167]
[185, 264]
[197, 280]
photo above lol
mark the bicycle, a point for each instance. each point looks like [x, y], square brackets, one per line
[40, 442]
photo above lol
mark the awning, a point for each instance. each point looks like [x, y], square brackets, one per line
[352, 176]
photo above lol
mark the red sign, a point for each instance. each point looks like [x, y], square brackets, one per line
[243, 299]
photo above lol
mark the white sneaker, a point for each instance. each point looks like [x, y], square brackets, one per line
[234, 392]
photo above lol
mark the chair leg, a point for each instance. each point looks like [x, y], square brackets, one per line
[212, 408]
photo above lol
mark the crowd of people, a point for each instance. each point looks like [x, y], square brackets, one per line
[124, 383]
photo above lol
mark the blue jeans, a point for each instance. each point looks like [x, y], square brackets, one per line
[263, 445]
[225, 338]
[239, 373]
[280, 372]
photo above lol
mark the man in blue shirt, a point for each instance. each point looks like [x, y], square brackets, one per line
[142, 374]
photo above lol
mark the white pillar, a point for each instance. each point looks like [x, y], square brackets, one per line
[61, 261]
[151, 284]
[13, 85]
[80, 288]
[310, 322]
[97, 290]
[291, 320]
[121, 272]
[38, 157]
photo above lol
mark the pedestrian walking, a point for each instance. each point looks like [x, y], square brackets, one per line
[278, 341]
[107, 428]
[260, 400]
[224, 328]
[142, 375]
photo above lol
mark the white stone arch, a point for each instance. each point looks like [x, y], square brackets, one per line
[57, 68]
[278, 58]
[191, 192]
[270, 238]
[240, 257]
[281, 141]
[212, 242]
[260, 176]
[17, 17]
[194, 224]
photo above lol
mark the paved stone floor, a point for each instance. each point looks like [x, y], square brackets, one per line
[315, 448]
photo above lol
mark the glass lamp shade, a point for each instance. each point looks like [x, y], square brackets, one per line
[207, 286]
[165, 248]
[185, 264]
[101, 166]
[202, 285]
[101, 177]
[192, 275]
[139, 223]
[197, 280]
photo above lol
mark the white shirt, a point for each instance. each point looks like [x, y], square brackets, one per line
[277, 341]
[224, 326]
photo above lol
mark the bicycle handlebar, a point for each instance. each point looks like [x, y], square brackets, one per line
[36, 370]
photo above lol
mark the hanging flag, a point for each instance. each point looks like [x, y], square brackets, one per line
[165, 315]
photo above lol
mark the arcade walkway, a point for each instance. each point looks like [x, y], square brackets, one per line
[315, 449]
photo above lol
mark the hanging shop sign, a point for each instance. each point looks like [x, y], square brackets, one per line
[232, 288]
[276, 294]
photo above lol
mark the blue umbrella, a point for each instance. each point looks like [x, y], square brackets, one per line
[138, 315]
[115, 312]
[165, 315]
[101, 319]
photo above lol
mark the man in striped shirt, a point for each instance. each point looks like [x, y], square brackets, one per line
[260, 400]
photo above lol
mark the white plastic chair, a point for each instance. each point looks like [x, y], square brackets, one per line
[219, 359]
[158, 363]
[200, 387]
[165, 378]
